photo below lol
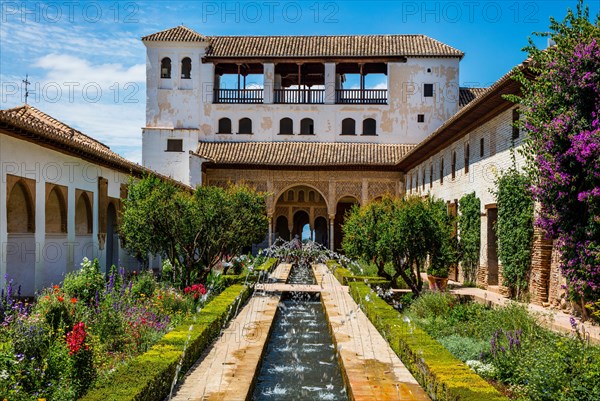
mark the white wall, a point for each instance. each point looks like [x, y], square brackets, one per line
[39, 259]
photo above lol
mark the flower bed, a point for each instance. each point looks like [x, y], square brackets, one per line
[345, 276]
[442, 375]
[149, 376]
[76, 334]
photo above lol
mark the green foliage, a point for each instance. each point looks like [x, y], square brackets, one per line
[514, 229]
[402, 232]
[144, 285]
[442, 375]
[465, 348]
[193, 231]
[85, 282]
[469, 229]
[432, 304]
[345, 276]
[149, 376]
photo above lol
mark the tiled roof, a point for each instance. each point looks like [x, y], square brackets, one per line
[302, 154]
[311, 46]
[468, 94]
[29, 123]
[178, 34]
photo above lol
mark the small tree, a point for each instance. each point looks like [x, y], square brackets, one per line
[193, 231]
[514, 229]
[363, 231]
[469, 229]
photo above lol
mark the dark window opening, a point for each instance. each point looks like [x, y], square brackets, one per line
[186, 68]
[431, 176]
[369, 127]
[165, 68]
[428, 90]
[286, 126]
[516, 115]
[174, 145]
[420, 118]
[307, 126]
[467, 157]
[442, 171]
[481, 146]
[224, 126]
[245, 126]
[348, 126]
[453, 165]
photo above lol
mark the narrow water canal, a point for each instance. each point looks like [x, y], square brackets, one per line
[300, 362]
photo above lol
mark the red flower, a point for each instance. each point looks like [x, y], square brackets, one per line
[60, 299]
[76, 338]
[56, 288]
[73, 300]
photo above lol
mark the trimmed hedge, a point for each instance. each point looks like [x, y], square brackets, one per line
[149, 376]
[244, 277]
[442, 375]
[345, 276]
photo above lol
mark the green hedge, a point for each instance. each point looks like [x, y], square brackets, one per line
[345, 276]
[148, 377]
[244, 277]
[442, 375]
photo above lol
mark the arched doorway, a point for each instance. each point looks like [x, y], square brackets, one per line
[21, 247]
[112, 243]
[55, 249]
[281, 228]
[321, 233]
[297, 210]
[343, 207]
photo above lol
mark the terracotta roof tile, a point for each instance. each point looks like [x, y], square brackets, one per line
[30, 123]
[310, 46]
[308, 154]
[468, 94]
[178, 34]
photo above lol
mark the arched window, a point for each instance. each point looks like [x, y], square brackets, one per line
[348, 126]
[224, 126]
[467, 158]
[56, 212]
[245, 126]
[290, 195]
[165, 68]
[453, 165]
[307, 126]
[20, 211]
[83, 215]
[423, 179]
[311, 196]
[369, 127]
[186, 68]
[300, 196]
[431, 175]
[286, 126]
[442, 170]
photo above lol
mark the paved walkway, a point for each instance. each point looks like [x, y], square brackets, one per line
[226, 373]
[555, 320]
[372, 369]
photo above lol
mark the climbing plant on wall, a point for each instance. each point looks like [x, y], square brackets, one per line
[469, 229]
[561, 113]
[514, 229]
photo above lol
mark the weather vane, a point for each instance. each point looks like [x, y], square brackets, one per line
[26, 82]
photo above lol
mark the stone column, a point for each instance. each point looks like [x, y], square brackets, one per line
[330, 84]
[270, 230]
[331, 229]
[269, 82]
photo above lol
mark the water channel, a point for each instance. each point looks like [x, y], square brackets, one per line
[300, 362]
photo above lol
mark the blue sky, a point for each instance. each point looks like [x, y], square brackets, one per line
[87, 64]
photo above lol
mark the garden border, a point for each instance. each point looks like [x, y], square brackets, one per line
[149, 376]
[442, 375]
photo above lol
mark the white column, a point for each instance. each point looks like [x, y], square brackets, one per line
[269, 82]
[330, 83]
[40, 232]
[331, 227]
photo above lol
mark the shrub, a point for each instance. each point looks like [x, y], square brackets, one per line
[433, 304]
[86, 282]
[469, 228]
[465, 348]
[145, 284]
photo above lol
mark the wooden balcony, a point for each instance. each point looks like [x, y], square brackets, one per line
[299, 96]
[361, 96]
[238, 96]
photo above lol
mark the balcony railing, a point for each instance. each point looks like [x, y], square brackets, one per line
[238, 96]
[299, 96]
[361, 96]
